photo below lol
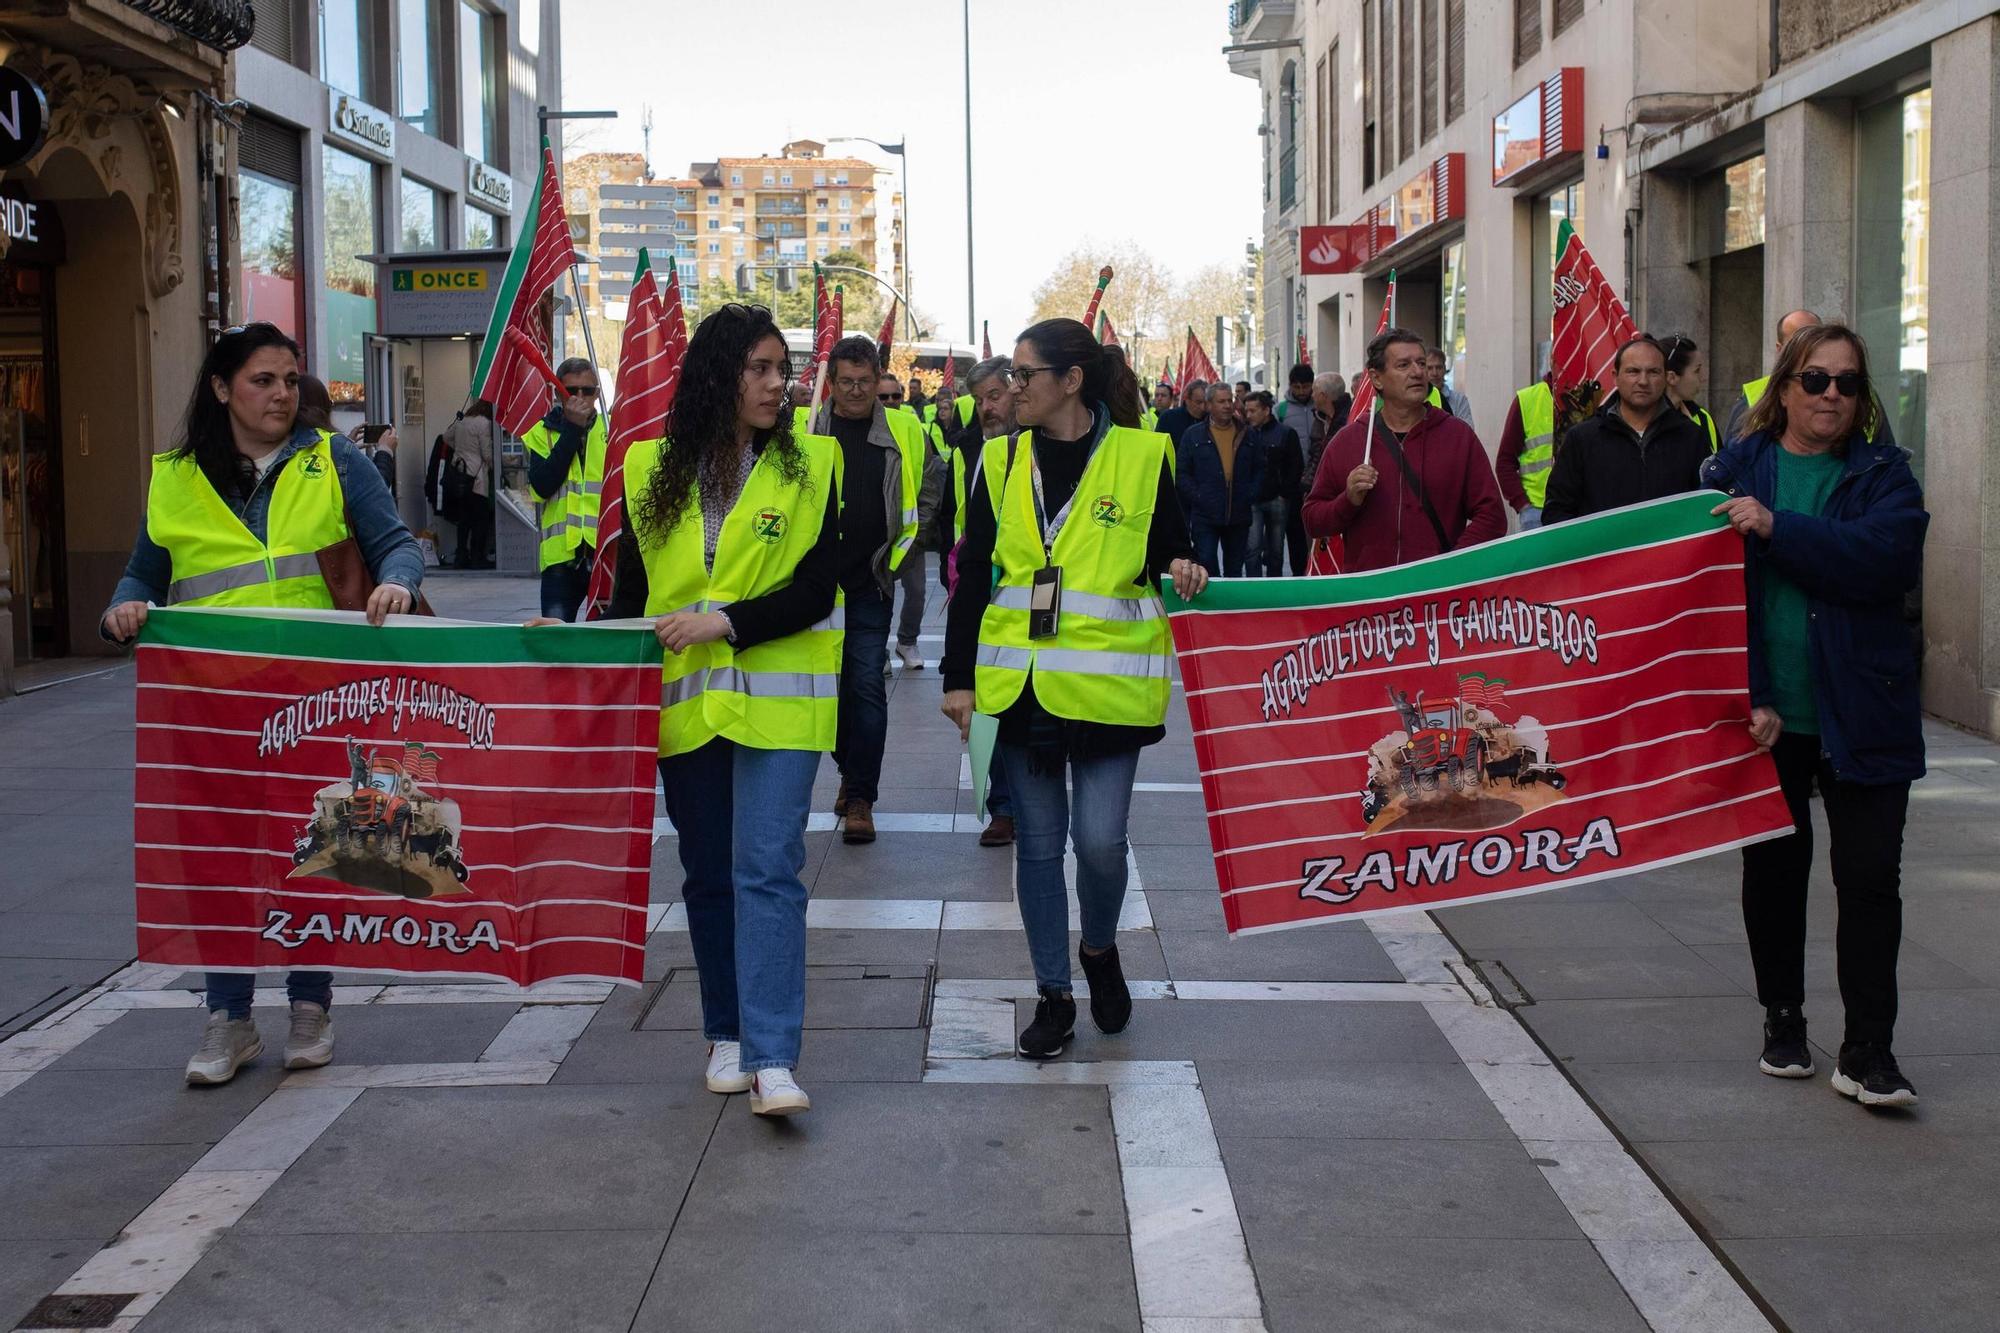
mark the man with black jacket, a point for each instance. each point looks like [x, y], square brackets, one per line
[1175, 421]
[1279, 493]
[1637, 447]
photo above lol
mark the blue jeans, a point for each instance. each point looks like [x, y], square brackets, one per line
[1266, 554]
[1045, 818]
[864, 696]
[741, 816]
[1531, 518]
[1211, 540]
[563, 587]
[231, 991]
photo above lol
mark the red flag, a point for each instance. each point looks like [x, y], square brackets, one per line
[649, 372]
[839, 313]
[1590, 321]
[985, 341]
[887, 337]
[1105, 333]
[506, 376]
[1097, 297]
[823, 337]
[948, 386]
[1197, 366]
[1364, 398]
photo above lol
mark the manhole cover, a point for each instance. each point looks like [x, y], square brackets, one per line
[76, 1311]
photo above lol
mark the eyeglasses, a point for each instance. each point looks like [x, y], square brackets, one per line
[1025, 375]
[853, 386]
[1814, 382]
[890, 397]
[580, 390]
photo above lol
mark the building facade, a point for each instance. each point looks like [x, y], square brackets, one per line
[1724, 162]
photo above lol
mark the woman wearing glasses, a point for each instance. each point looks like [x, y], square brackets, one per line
[1833, 531]
[737, 563]
[1056, 630]
[234, 517]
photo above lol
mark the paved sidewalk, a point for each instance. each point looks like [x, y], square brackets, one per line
[1341, 1127]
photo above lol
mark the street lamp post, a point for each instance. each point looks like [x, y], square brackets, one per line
[903, 164]
[971, 297]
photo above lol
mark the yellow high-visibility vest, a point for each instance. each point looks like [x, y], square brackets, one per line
[1110, 659]
[1703, 419]
[1755, 390]
[1538, 439]
[781, 695]
[569, 517]
[217, 561]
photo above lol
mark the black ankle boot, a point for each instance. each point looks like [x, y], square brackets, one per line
[1054, 1025]
[1110, 997]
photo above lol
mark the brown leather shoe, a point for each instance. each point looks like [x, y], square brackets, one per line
[999, 833]
[840, 802]
[860, 821]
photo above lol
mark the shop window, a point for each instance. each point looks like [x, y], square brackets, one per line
[422, 209]
[269, 235]
[1551, 211]
[417, 96]
[482, 229]
[478, 83]
[349, 201]
[1451, 315]
[1892, 200]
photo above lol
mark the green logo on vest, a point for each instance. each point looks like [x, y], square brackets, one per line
[769, 526]
[312, 465]
[1107, 512]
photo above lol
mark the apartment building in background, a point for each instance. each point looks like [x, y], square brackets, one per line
[1724, 160]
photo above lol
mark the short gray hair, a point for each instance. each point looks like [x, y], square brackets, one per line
[1330, 383]
[986, 370]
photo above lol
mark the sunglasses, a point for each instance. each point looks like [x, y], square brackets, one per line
[890, 397]
[580, 390]
[1814, 382]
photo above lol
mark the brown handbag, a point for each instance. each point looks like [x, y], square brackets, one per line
[347, 577]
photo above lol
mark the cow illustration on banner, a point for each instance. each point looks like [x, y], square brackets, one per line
[1558, 706]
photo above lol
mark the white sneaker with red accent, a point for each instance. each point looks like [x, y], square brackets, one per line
[775, 1092]
[725, 1070]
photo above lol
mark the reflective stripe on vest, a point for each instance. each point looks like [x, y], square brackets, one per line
[1538, 440]
[215, 559]
[780, 695]
[1111, 658]
[915, 453]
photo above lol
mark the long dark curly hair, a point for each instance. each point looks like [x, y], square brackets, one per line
[206, 435]
[703, 420]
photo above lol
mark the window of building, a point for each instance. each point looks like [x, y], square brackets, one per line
[272, 290]
[1451, 313]
[1385, 87]
[736, 248]
[347, 45]
[1454, 60]
[417, 96]
[736, 202]
[823, 248]
[846, 227]
[1527, 30]
[819, 178]
[272, 33]
[714, 199]
[846, 204]
[785, 178]
[349, 202]
[820, 226]
[423, 220]
[715, 247]
[1566, 13]
[736, 178]
[715, 224]
[1892, 201]
[1427, 62]
[1368, 94]
[483, 230]
[1330, 166]
[770, 179]
[1324, 101]
[1406, 83]
[1288, 136]
[478, 86]
[820, 204]
[1551, 211]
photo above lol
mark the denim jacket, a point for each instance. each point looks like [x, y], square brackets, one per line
[392, 553]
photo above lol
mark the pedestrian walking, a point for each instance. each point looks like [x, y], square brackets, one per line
[315, 403]
[1056, 630]
[1175, 421]
[1443, 395]
[1276, 444]
[1637, 447]
[890, 492]
[468, 484]
[910, 574]
[235, 516]
[566, 471]
[1687, 380]
[1298, 394]
[1330, 406]
[737, 563]
[1408, 480]
[1220, 476]
[1833, 530]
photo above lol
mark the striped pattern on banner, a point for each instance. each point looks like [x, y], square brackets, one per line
[501, 824]
[1560, 706]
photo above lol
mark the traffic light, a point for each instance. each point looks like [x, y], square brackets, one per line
[786, 281]
[742, 277]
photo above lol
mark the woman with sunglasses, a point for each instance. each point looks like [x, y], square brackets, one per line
[1833, 529]
[1055, 628]
[1687, 377]
[737, 563]
[235, 516]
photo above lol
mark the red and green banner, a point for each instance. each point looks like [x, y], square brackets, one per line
[1560, 706]
[422, 798]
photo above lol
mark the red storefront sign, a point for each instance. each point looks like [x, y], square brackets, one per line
[1431, 198]
[1329, 249]
[1545, 124]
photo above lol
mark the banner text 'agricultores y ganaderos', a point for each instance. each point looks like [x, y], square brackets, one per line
[423, 798]
[1558, 706]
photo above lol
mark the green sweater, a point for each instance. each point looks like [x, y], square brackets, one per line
[1804, 483]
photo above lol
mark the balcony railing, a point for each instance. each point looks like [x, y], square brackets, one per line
[1241, 12]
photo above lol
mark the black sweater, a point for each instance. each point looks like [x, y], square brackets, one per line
[1027, 722]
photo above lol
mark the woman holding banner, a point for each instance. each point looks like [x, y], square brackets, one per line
[737, 564]
[1833, 531]
[1054, 629]
[236, 516]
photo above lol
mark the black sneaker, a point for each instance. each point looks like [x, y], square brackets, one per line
[1054, 1025]
[1786, 1054]
[1867, 1072]
[1110, 998]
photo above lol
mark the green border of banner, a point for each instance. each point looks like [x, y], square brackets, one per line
[1671, 519]
[274, 634]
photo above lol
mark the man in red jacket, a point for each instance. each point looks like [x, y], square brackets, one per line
[1363, 491]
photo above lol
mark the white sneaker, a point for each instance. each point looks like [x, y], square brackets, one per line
[226, 1046]
[774, 1092]
[907, 654]
[310, 1043]
[725, 1072]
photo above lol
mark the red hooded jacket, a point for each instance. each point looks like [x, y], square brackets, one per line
[1389, 527]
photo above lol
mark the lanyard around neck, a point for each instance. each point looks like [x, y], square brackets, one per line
[1051, 528]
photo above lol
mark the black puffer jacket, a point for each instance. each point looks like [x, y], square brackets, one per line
[1603, 464]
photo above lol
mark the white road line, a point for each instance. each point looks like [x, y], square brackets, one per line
[539, 1032]
[481, 1074]
[1141, 988]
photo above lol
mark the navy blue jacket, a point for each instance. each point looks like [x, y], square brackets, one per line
[1855, 563]
[1205, 496]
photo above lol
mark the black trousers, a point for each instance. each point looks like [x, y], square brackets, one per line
[1865, 830]
[1296, 544]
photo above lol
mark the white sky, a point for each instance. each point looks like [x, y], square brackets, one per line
[1100, 119]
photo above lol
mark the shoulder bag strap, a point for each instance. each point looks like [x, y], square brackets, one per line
[1411, 480]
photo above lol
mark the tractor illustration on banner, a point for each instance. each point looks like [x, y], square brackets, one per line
[384, 829]
[1455, 764]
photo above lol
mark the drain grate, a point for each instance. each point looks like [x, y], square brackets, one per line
[1506, 988]
[76, 1311]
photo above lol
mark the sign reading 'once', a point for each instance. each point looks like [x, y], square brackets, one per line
[438, 280]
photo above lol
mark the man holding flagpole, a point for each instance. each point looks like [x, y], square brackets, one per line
[1405, 480]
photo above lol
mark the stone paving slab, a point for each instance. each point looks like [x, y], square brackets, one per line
[84, 1193]
[1938, 1283]
[363, 1035]
[1672, 971]
[810, 1278]
[530, 1282]
[31, 1269]
[131, 1106]
[1253, 1030]
[31, 987]
[1322, 1099]
[953, 867]
[677, 1058]
[1002, 955]
[1312, 954]
[831, 1002]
